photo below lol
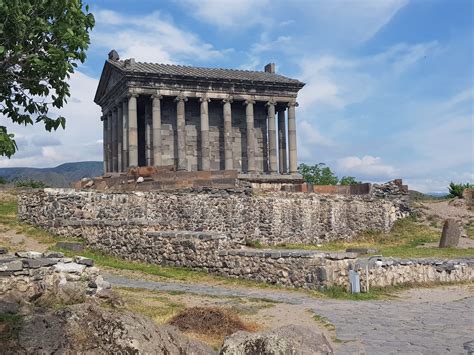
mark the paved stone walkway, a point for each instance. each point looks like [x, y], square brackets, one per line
[406, 326]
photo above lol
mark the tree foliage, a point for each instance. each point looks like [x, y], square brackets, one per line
[349, 180]
[320, 174]
[41, 42]
[456, 190]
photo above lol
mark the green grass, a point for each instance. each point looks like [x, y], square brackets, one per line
[401, 241]
[13, 324]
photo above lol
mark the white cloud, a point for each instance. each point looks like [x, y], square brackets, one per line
[81, 140]
[150, 38]
[241, 13]
[366, 167]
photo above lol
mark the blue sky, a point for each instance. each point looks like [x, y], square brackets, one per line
[390, 83]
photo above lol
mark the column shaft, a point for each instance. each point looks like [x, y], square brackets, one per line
[272, 148]
[181, 132]
[132, 131]
[148, 133]
[292, 137]
[125, 135]
[205, 150]
[156, 113]
[114, 140]
[109, 142]
[104, 140]
[119, 137]
[250, 136]
[282, 142]
[229, 164]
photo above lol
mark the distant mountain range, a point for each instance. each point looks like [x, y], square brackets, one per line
[60, 176]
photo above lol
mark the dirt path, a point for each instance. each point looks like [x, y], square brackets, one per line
[421, 321]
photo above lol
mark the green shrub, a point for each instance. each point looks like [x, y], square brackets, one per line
[33, 184]
[349, 180]
[456, 190]
[3, 181]
[318, 174]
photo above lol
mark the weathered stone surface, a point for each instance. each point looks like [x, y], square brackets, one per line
[88, 329]
[3, 250]
[84, 261]
[292, 339]
[53, 254]
[450, 235]
[69, 267]
[10, 265]
[29, 254]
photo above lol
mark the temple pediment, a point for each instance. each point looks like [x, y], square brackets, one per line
[109, 78]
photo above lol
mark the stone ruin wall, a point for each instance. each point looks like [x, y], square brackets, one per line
[136, 226]
[270, 218]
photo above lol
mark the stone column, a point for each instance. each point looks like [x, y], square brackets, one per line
[119, 137]
[251, 168]
[229, 163]
[292, 137]
[156, 117]
[125, 135]
[181, 131]
[109, 142]
[104, 140]
[148, 128]
[283, 166]
[132, 131]
[114, 140]
[272, 148]
[205, 150]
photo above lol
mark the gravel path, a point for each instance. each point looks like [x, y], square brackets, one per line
[422, 321]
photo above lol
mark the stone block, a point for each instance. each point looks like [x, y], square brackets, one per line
[73, 268]
[450, 234]
[29, 254]
[84, 261]
[11, 265]
[74, 246]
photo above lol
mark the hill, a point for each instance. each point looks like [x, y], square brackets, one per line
[59, 176]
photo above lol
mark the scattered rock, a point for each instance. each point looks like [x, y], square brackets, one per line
[69, 267]
[140, 179]
[3, 250]
[362, 250]
[291, 339]
[84, 261]
[451, 234]
[74, 246]
[29, 254]
[37, 263]
[53, 254]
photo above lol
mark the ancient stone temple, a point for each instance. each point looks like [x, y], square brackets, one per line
[197, 118]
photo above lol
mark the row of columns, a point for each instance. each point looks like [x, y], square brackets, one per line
[120, 135]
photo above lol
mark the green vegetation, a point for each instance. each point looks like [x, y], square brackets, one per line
[32, 184]
[402, 241]
[319, 174]
[3, 181]
[10, 324]
[456, 190]
[41, 43]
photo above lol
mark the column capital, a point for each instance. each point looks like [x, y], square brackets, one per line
[157, 96]
[228, 99]
[132, 94]
[181, 97]
[292, 104]
[249, 102]
[271, 103]
[204, 99]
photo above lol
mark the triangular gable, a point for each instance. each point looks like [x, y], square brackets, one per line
[109, 77]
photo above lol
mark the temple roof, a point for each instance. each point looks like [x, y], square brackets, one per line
[181, 71]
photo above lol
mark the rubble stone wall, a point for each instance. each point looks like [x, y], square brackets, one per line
[270, 218]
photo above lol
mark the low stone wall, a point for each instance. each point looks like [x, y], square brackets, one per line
[271, 218]
[45, 279]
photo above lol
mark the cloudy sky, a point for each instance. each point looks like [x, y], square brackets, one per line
[390, 83]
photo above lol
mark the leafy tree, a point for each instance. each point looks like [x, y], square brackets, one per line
[349, 180]
[41, 42]
[3, 181]
[318, 174]
[456, 190]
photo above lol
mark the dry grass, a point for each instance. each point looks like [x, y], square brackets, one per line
[211, 324]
